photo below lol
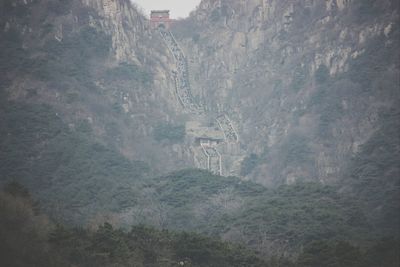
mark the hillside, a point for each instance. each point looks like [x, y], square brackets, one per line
[312, 88]
[270, 221]
[94, 63]
[29, 238]
[270, 124]
[306, 84]
[81, 110]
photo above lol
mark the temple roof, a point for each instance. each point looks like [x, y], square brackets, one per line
[159, 11]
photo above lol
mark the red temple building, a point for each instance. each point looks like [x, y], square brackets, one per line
[160, 18]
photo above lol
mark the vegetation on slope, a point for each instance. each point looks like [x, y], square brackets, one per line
[77, 178]
[262, 218]
[169, 132]
[374, 174]
[64, 166]
[30, 239]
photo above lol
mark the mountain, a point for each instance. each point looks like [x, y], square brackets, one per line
[290, 108]
[80, 102]
[312, 88]
[95, 63]
[307, 84]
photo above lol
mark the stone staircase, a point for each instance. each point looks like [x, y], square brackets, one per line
[211, 158]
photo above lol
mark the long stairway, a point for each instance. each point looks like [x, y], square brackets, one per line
[185, 97]
[181, 74]
[213, 159]
[227, 127]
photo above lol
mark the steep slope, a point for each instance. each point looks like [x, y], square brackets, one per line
[311, 86]
[94, 62]
[84, 90]
[300, 97]
[77, 177]
[305, 82]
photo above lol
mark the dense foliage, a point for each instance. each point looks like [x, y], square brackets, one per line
[248, 213]
[374, 173]
[127, 71]
[30, 239]
[65, 165]
[248, 164]
[169, 132]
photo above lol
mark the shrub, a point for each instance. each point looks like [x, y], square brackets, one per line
[299, 78]
[128, 71]
[248, 164]
[59, 7]
[322, 74]
[169, 132]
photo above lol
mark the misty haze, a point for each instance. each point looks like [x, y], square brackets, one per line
[212, 133]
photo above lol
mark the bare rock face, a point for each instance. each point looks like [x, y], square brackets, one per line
[124, 23]
[296, 78]
[298, 82]
[101, 64]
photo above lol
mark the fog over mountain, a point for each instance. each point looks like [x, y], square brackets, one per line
[251, 133]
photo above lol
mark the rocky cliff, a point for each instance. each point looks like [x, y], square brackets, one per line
[296, 82]
[97, 63]
[306, 82]
[312, 88]
[93, 102]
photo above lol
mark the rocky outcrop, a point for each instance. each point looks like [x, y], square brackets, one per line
[121, 110]
[276, 67]
[125, 24]
[292, 79]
